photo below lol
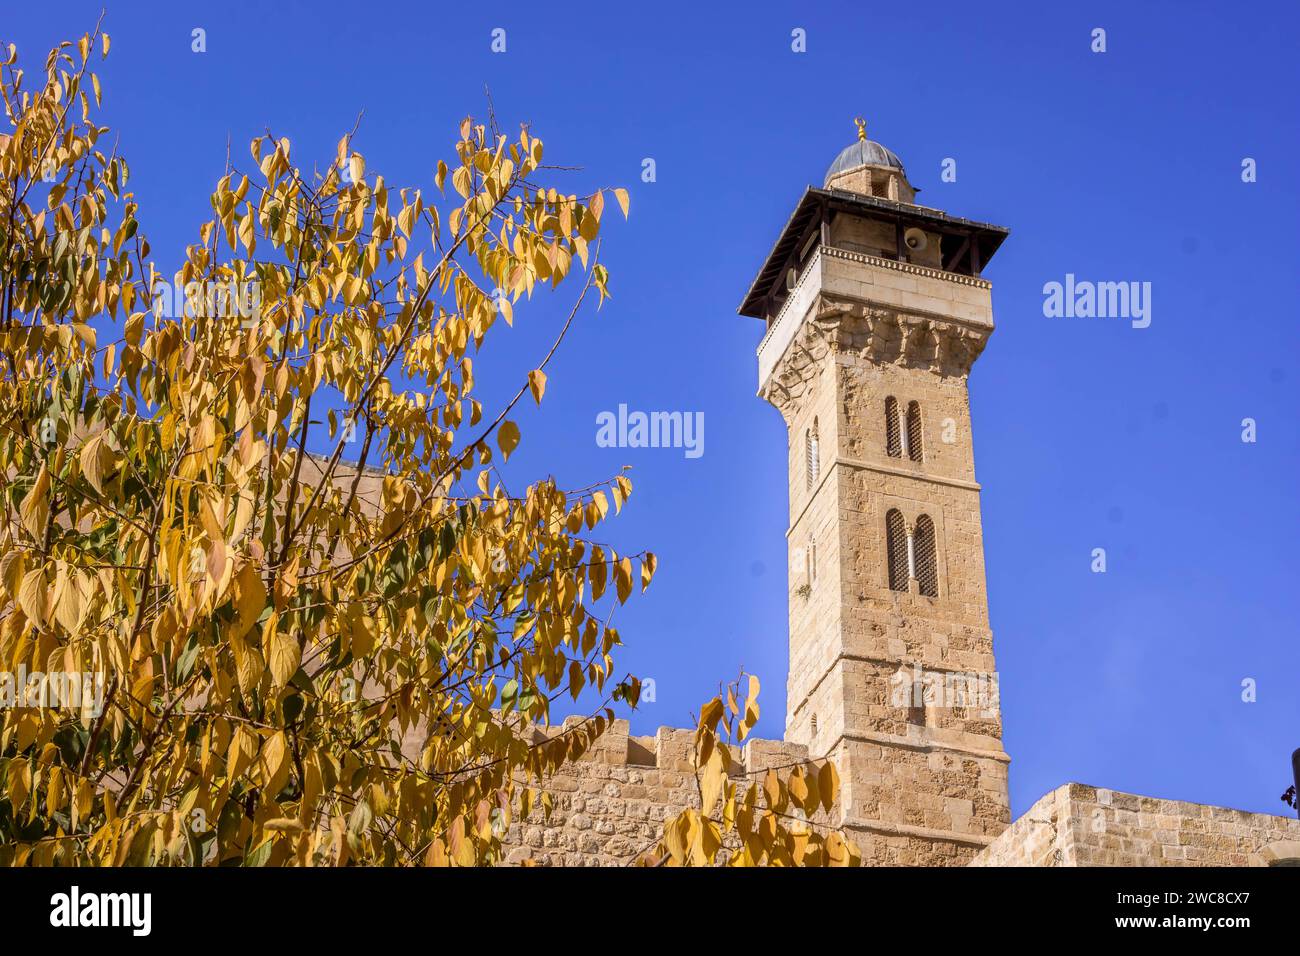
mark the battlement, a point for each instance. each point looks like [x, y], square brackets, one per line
[609, 806]
[670, 748]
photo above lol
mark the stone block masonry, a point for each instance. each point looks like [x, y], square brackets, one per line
[1079, 825]
[610, 806]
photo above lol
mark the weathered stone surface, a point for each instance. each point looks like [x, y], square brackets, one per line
[608, 810]
[1078, 825]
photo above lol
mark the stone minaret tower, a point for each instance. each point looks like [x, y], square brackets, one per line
[874, 312]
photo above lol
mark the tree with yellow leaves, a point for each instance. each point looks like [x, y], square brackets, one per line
[296, 659]
[780, 820]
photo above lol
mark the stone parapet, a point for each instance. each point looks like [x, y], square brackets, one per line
[609, 806]
[1079, 825]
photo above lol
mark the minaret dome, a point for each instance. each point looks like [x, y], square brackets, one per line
[869, 169]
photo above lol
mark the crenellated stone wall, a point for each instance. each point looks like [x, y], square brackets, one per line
[610, 806]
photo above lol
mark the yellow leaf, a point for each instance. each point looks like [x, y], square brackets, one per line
[216, 563]
[715, 777]
[648, 565]
[275, 763]
[828, 784]
[462, 848]
[838, 851]
[576, 679]
[772, 790]
[363, 636]
[537, 382]
[20, 783]
[248, 660]
[621, 195]
[32, 594]
[812, 781]
[68, 610]
[710, 842]
[247, 235]
[284, 824]
[84, 801]
[597, 573]
[54, 790]
[711, 713]
[461, 181]
[11, 571]
[133, 330]
[35, 509]
[676, 835]
[798, 787]
[243, 748]
[437, 854]
[508, 438]
[90, 463]
[249, 601]
[623, 579]
[285, 655]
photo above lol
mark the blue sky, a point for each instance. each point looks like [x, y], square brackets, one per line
[1088, 433]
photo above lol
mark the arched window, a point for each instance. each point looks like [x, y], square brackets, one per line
[812, 456]
[893, 435]
[914, 431]
[927, 559]
[896, 550]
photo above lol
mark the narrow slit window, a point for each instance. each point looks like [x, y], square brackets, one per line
[914, 431]
[927, 558]
[893, 435]
[812, 456]
[896, 550]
